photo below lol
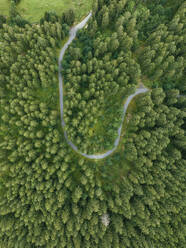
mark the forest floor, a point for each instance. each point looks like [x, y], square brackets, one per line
[4, 7]
[33, 10]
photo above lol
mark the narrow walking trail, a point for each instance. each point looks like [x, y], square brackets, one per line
[138, 91]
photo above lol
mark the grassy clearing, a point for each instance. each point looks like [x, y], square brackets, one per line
[4, 7]
[119, 167]
[33, 10]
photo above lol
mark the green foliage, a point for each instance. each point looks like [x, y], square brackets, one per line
[2, 20]
[68, 17]
[150, 14]
[99, 73]
[163, 57]
[16, 1]
[50, 197]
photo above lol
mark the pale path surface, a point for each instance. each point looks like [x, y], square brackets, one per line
[140, 90]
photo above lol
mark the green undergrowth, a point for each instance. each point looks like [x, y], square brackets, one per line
[61, 45]
[113, 104]
[146, 82]
[115, 166]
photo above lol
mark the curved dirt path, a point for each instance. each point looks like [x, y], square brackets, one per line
[140, 90]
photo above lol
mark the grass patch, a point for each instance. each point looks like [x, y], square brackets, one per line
[33, 10]
[4, 7]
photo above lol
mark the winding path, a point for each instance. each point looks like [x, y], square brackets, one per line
[140, 90]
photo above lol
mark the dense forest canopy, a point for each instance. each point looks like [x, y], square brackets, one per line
[104, 65]
[52, 197]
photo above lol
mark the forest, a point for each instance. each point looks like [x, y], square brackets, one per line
[53, 197]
